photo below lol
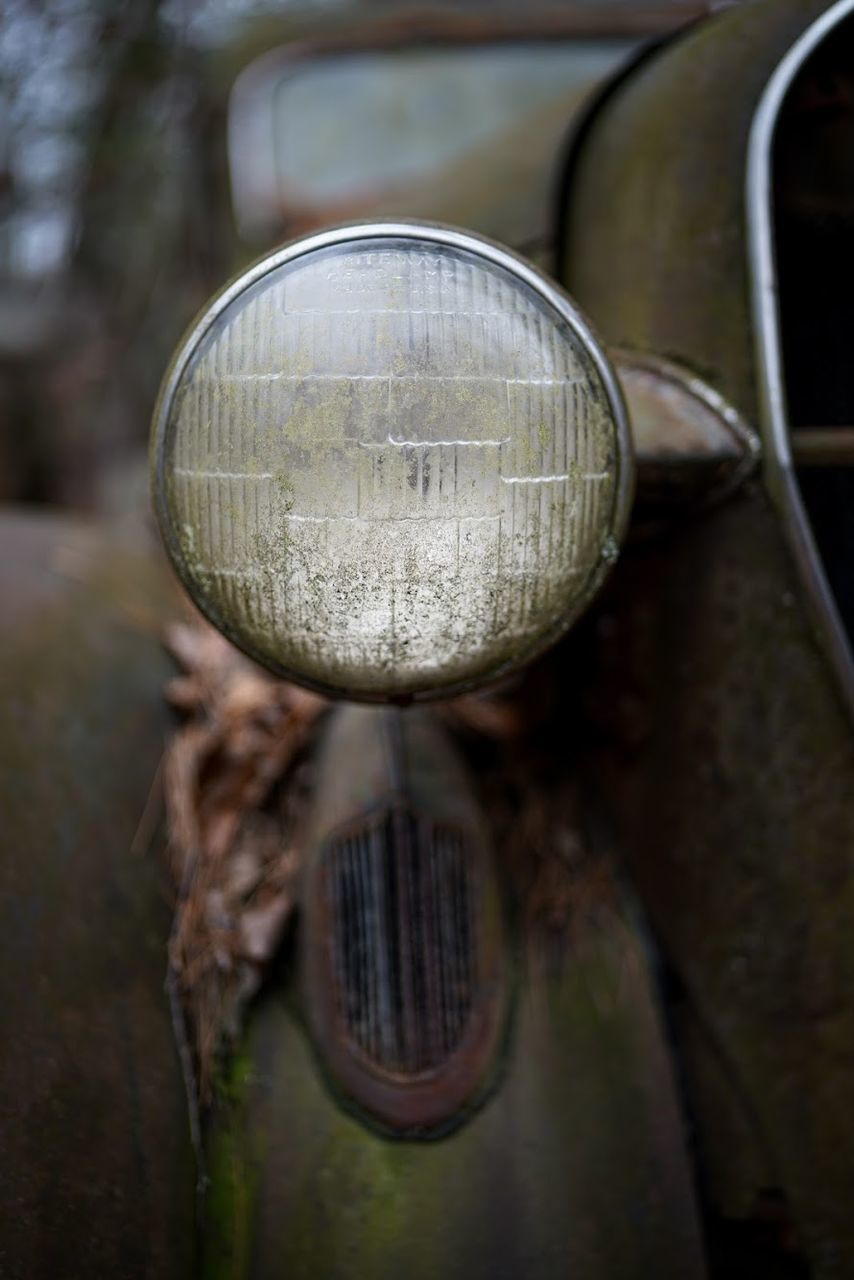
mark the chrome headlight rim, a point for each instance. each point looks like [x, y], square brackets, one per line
[446, 236]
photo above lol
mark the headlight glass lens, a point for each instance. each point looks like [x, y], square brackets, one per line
[388, 465]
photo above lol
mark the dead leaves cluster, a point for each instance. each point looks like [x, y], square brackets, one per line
[232, 826]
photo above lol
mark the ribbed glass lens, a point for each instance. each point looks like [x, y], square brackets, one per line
[389, 467]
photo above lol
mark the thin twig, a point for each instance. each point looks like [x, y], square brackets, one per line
[188, 1072]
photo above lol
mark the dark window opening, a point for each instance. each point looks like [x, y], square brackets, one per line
[814, 229]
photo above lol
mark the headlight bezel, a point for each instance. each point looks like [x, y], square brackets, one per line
[441, 236]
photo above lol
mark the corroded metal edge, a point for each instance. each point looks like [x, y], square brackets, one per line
[780, 474]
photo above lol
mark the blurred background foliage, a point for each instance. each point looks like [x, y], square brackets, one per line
[115, 216]
[106, 245]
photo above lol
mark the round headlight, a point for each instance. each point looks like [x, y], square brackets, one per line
[391, 461]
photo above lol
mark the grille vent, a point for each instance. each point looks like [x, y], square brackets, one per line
[400, 897]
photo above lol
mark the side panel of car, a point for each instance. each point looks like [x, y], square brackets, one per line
[576, 1164]
[728, 760]
[97, 1175]
[730, 755]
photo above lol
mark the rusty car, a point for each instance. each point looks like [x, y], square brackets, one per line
[500, 920]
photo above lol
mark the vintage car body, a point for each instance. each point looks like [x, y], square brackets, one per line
[743, 778]
[98, 1169]
[648, 1093]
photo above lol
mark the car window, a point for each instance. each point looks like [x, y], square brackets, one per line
[468, 134]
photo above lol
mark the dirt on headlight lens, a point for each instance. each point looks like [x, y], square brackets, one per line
[388, 464]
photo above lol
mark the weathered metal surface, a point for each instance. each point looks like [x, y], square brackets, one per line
[404, 958]
[576, 1164]
[691, 447]
[730, 760]
[96, 1176]
[729, 766]
[654, 246]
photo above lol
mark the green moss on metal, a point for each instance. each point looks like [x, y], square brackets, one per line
[233, 1173]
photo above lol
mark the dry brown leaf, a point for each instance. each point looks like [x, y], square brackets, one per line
[231, 848]
[261, 927]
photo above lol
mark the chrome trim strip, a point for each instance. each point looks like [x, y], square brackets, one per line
[773, 416]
